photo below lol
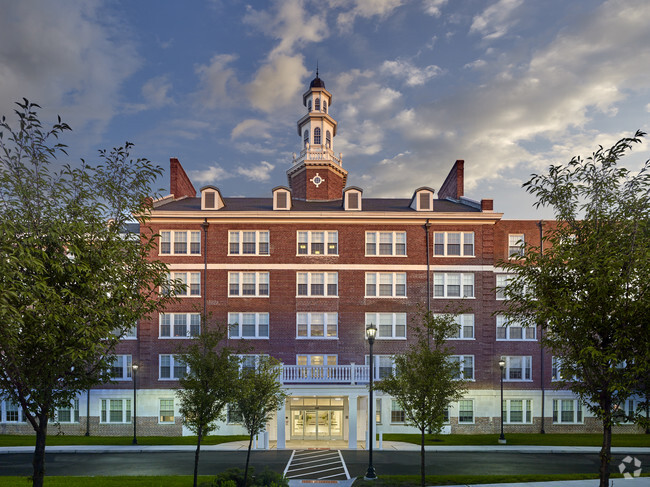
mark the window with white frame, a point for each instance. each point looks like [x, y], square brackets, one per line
[556, 370]
[518, 411]
[248, 325]
[190, 284]
[502, 282]
[378, 410]
[513, 330]
[453, 285]
[384, 365]
[466, 411]
[121, 368]
[248, 284]
[625, 412]
[166, 411]
[11, 412]
[397, 414]
[180, 242]
[233, 414]
[567, 411]
[248, 242]
[465, 326]
[69, 414]
[249, 362]
[516, 245]
[385, 243]
[130, 334]
[386, 284]
[180, 325]
[453, 244]
[316, 325]
[317, 360]
[317, 283]
[172, 367]
[465, 366]
[518, 368]
[389, 325]
[318, 242]
[115, 411]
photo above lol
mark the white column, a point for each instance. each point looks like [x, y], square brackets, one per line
[352, 422]
[281, 427]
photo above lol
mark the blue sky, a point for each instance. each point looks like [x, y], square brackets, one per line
[510, 86]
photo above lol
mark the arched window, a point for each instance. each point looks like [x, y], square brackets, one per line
[328, 140]
[325, 106]
[309, 106]
[305, 137]
[317, 104]
[316, 136]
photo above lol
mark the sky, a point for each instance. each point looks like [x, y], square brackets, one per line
[509, 86]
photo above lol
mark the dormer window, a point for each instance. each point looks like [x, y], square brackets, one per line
[422, 199]
[305, 137]
[328, 139]
[352, 199]
[281, 198]
[211, 198]
[317, 136]
[317, 104]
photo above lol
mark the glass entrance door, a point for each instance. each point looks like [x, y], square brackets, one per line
[316, 422]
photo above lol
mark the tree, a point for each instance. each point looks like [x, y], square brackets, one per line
[589, 284]
[208, 386]
[259, 396]
[426, 379]
[71, 282]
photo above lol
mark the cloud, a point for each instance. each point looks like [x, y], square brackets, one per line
[363, 8]
[251, 128]
[155, 92]
[479, 63]
[277, 83]
[413, 75]
[433, 7]
[213, 174]
[261, 172]
[495, 20]
[217, 81]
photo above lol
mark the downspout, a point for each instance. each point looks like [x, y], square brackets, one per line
[205, 226]
[427, 227]
[541, 330]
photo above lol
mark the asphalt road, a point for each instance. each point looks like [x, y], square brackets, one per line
[386, 463]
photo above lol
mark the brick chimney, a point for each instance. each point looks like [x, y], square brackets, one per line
[179, 184]
[454, 185]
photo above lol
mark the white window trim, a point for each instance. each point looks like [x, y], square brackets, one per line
[187, 292]
[188, 326]
[107, 401]
[393, 244]
[393, 284]
[325, 285]
[517, 248]
[502, 322]
[160, 421]
[461, 321]
[258, 241]
[257, 285]
[172, 361]
[445, 284]
[377, 360]
[556, 375]
[374, 318]
[126, 363]
[326, 325]
[462, 245]
[3, 412]
[508, 410]
[392, 403]
[189, 234]
[577, 407]
[238, 321]
[461, 365]
[74, 413]
[326, 242]
[473, 412]
[325, 356]
[526, 365]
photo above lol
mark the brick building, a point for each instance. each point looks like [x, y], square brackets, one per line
[301, 272]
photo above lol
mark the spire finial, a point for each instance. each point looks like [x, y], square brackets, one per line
[317, 68]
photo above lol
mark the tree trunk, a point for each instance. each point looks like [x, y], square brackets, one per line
[606, 452]
[248, 457]
[422, 474]
[196, 454]
[38, 461]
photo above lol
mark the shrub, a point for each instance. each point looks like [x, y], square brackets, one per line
[234, 477]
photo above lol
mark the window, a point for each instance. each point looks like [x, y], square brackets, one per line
[386, 284]
[452, 244]
[556, 370]
[180, 325]
[624, 413]
[130, 334]
[518, 368]
[466, 411]
[248, 284]
[465, 330]
[317, 283]
[318, 243]
[166, 411]
[516, 245]
[115, 411]
[12, 412]
[248, 242]
[513, 330]
[190, 288]
[378, 410]
[317, 104]
[248, 325]
[465, 366]
[325, 106]
[68, 414]
[317, 360]
[121, 368]
[172, 367]
[389, 325]
[502, 282]
[305, 137]
[567, 411]
[328, 139]
[309, 106]
[518, 411]
[317, 134]
[448, 285]
[384, 365]
[317, 325]
[180, 240]
[385, 243]
[233, 414]
[397, 414]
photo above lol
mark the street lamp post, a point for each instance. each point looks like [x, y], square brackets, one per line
[371, 331]
[135, 396]
[502, 364]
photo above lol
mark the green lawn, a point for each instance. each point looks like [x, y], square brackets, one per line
[629, 440]
[58, 440]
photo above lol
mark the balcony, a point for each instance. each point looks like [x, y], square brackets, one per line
[326, 374]
[317, 153]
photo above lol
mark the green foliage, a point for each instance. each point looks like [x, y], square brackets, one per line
[588, 286]
[71, 281]
[234, 477]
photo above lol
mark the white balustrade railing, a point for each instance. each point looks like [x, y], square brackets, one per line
[316, 154]
[348, 374]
